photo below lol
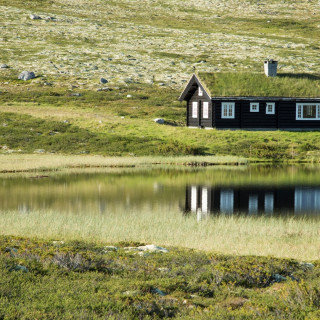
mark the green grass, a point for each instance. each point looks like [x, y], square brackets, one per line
[258, 85]
[280, 237]
[109, 123]
[43, 279]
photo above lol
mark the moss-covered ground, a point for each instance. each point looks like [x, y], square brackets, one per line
[78, 280]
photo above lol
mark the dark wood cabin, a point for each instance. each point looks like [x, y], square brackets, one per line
[253, 200]
[253, 101]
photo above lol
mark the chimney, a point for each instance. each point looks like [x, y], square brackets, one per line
[270, 67]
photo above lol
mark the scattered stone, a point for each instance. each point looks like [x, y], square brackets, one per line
[103, 80]
[104, 89]
[48, 84]
[76, 94]
[65, 121]
[39, 151]
[161, 84]
[110, 248]
[159, 292]
[159, 120]
[19, 268]
[278, 278]
[4, 66]
[129, 96]
[307, 265]
[26, 75]
[57, 242]
[152, 248]
[34, 17]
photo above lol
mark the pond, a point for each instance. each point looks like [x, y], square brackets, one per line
[202, 192]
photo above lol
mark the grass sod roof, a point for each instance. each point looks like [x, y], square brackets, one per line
[259, 85]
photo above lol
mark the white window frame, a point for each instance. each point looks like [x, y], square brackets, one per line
[200, 92]
[299, 111]
[195, 109]
[229, 107]
[205, 110]
[273, 108]
[253, 105]
[194, 199]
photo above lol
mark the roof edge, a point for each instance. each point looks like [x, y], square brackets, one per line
[194, 78]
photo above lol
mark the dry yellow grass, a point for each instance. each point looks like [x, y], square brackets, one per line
[45, 162]
[280, 237]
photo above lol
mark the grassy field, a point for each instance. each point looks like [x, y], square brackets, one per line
[147, 57]
[42, 279]
[279, 237]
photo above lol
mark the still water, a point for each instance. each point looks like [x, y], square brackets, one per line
[254, 190]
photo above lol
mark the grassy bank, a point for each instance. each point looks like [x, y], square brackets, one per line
[280, 237]
[108, 123]
[82, 280]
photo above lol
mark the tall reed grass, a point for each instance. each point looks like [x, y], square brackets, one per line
[280, 237]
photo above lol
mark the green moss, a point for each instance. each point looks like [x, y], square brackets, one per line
[258, 85]
[70, 280]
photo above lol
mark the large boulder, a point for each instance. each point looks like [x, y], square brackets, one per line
[4, 66]
[26, 75]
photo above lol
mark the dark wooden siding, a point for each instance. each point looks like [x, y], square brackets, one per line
[284, 117]
[227, 123]
[287, 117]
[199, 121]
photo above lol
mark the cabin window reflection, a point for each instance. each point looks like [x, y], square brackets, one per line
[194, 198]
[204, 200]
[268, 203]
[226, 201]
[253, 204]
[306, 200]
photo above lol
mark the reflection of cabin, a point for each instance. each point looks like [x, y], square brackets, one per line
[252, 200]
[251, 100]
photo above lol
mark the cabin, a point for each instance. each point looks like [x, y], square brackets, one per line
[299, 200]
[260, 101]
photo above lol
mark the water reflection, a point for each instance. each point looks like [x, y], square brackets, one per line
[291, 190]
[252, 200]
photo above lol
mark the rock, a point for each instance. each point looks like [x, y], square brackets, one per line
[19, 268]
[76, 94]
[159, 120]
[26, 75]
[307, 265]
[39, 151]
[4, 66]
[103, 80]
[159, 292]
[161, 84]
[129, 96]
[152, 248]
[110, 248]
[34, 17]
[104, 89]
[278, 278]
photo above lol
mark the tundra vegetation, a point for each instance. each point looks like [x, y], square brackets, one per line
[147, 56]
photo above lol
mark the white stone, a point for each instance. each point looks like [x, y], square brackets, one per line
[159, 120]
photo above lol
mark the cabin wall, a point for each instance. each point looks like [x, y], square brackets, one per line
[283, 118]
[199, 121]
[287, 117]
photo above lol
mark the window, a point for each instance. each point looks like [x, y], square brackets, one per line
[194, 109]
[253, 204]
[308, 111]
[268, 203]
[270, 108]
[204, 200]
[227, 110]
[226, 201]
[194, 200]
[306, 200]
[200, 92]
[254, 107]
[205, 110]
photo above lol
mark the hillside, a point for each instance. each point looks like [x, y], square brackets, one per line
[146, 50]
